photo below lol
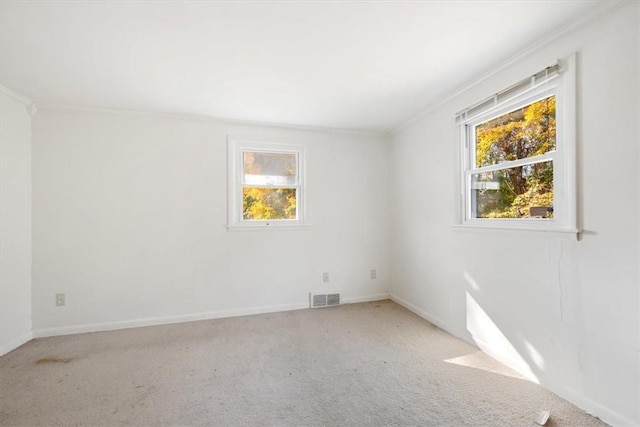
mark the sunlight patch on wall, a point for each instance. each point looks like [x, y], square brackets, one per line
[471, 281]
[534, 355]
[492, 341]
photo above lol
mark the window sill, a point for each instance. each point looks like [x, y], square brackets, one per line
[534, 227]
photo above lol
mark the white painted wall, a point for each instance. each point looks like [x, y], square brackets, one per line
[15, 221]
[129, 214]
[129, 218]
[638, 200]
[563, 311]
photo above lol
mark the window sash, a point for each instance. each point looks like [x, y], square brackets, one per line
[563, 85]
[282, 220]
[244, 184]
[520, 100]
[296, 155]
[470, 206]
[237, 184]
[550, 155]
[269, 186]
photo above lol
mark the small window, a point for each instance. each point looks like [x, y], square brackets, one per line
[518, 155]
[265, 184]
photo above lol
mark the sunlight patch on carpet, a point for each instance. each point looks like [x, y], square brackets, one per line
[479, 360]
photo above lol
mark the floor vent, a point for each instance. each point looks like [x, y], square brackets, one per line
[323, 300]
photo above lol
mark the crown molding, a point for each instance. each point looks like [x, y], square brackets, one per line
[203, 118]
[23, 99]
[606, 8]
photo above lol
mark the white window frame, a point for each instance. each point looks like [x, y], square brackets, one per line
[235, 148]
[563, 87]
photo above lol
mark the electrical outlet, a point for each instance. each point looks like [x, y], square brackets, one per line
[325, 277]
[60, 300]
[373, 274]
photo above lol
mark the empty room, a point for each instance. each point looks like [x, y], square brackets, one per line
[336, 213]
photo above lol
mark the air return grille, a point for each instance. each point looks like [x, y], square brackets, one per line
[323, 300]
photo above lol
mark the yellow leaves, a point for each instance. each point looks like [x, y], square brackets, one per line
[260, 203]
[492, 143]
[535, 112]
[519, 134]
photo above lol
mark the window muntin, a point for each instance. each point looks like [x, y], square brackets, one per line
[265, 184]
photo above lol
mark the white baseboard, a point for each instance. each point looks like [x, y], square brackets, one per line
[164, 320]
[579, 400]
[473, 341]
[368, 298]
[420, 312]
[6, 348]
[506, 359]
[591, 407]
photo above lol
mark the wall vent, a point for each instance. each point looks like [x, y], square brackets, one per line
[323, 300]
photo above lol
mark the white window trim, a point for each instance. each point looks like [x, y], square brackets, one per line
[235, 222]
[564, 157]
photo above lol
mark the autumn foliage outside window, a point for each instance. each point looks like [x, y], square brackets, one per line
[518, 154]
[269, 186]
[513, 167]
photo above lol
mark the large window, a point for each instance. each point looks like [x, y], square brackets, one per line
[518, 154]
[265, 184]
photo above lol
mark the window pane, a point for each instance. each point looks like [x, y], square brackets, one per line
[259, 203]
[529, 131]
[269, 168]
[521, 192]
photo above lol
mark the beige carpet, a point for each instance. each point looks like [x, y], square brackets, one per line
[368, 364]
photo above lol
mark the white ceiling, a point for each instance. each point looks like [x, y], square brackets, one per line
[360, 65]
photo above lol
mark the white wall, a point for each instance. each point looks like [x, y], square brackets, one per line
[564, 312]
[129, 218]
[15, 221]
